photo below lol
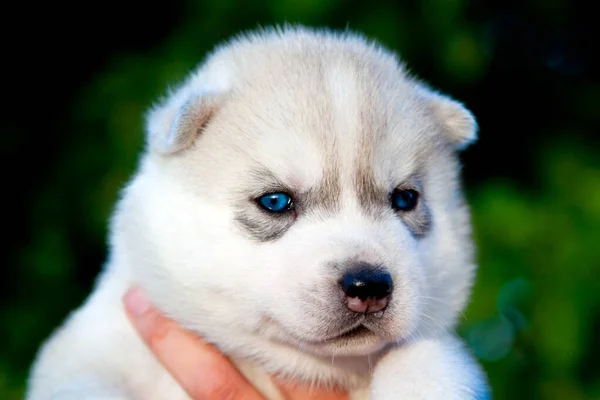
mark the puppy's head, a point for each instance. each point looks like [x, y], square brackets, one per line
[301, 187]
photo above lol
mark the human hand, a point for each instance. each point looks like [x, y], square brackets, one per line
[201, 370]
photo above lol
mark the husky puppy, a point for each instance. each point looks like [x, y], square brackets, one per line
[298, 204]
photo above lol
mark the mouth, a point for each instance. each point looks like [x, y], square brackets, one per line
[358, 340]
[359, 332]
[356, 332]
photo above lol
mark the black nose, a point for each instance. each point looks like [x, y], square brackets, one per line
[367, 282]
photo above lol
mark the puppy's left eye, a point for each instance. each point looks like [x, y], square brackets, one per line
[404, 199]
[276, 202]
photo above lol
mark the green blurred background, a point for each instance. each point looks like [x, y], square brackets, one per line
[78, 79]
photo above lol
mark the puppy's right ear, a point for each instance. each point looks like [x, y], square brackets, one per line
[174, 125]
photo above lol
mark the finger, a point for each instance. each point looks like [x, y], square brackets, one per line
[295, 391]
[202, 371]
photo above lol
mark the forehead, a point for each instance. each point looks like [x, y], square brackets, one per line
[302, 115]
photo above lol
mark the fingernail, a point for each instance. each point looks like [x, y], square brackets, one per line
[136, 303]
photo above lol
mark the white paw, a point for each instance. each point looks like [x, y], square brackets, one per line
[429, 370]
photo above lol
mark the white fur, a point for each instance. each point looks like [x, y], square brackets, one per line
[300, 104]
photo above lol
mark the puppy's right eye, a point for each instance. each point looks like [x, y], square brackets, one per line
[276, 202]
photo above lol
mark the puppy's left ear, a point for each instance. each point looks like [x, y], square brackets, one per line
[174, 125]
[459, 125]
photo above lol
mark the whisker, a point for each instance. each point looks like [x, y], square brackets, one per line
[433, 320]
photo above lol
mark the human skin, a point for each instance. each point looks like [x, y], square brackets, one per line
[201, 370]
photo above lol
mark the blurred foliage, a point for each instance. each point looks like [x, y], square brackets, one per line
[533, 179]
[534, 318]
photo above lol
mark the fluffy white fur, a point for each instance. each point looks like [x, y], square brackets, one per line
[315, 109]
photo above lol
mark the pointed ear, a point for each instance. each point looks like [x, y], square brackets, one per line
[460, 126]
[174, 125]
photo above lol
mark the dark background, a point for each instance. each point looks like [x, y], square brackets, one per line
[77, 80]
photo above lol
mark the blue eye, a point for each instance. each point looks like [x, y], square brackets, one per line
[404, 199]
[276, 202]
